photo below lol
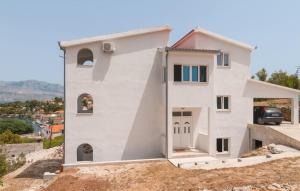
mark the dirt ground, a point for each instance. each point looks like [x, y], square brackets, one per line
[162, 175]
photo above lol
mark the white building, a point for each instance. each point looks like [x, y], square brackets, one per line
[130, 96]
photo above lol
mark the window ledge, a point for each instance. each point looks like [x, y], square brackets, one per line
[85, 66]
[223, 110]
[191, 83]
[223, 153]
[224, 67]
[84, 114]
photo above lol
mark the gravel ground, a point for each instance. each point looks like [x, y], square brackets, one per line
[162, 175]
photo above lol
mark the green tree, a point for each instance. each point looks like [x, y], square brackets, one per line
[284, 79]
[262, 74]
[15, 126]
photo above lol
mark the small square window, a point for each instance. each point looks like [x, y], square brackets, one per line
[223, 59]
[222, 102]
[222, 145]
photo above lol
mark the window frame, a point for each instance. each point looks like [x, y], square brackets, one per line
[222, 103]
[223, 60]
[223, 145]
[191, 74]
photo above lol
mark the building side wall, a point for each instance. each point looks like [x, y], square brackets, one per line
[127, 121]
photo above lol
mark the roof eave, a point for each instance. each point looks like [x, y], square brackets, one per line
[275, 85]
[65, 44]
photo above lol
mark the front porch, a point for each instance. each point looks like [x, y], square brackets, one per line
[188, 132]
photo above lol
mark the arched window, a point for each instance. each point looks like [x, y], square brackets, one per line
[85, 152]
[85, 103]
[85, 57]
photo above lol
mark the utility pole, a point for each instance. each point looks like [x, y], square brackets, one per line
[298, 71]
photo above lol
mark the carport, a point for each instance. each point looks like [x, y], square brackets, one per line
[260, 89]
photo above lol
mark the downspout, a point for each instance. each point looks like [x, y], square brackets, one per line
[167, 104]
[64, 158]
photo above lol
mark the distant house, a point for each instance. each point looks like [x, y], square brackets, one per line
[130, 96]
[57, 130]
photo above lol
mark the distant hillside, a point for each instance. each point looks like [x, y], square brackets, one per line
[28, 90]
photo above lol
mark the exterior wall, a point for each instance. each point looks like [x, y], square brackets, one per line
[268, 136]
[127, 119]
[229, 81]
[195, 97]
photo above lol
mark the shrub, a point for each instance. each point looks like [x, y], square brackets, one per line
[3, 166]
[15, 126]
[9, 138]
[57, 141]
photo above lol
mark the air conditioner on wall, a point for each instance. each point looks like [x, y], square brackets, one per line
[108, 47]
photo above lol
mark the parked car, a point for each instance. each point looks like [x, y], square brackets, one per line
[263, 114]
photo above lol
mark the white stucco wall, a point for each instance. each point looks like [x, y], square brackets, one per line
[229, 82]
[127, 122]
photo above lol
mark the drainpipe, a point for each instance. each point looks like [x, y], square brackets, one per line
[167, 102]
[63, 49]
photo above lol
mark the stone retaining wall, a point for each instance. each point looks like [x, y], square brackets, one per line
[14, 150]
[268, 135]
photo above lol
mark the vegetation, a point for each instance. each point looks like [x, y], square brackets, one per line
[280, 78]
[3, 166]
[262, 74]
[57, 141]
[10, 138]
[15, 126]
[28, 108]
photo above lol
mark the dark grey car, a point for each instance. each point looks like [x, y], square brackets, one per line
[262, 115]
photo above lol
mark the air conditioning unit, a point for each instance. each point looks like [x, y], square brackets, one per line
[108, 47]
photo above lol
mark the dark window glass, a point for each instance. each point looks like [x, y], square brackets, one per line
[226, 59]
[203, 74]
[219, 145]
[225, 144]
[219, 102]
[177, 73]
[187, 113]
[176, 113]
[219, 59]
[226, 103]
[186, 73]
[195, 73]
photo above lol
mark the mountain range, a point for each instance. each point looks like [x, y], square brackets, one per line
[29, 90]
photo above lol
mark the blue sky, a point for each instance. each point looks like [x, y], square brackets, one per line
[30, 29]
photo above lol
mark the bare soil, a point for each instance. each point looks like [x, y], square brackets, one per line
[162, 175]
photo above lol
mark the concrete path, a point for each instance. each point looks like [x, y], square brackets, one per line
[208, 163]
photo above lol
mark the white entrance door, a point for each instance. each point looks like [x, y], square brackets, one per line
[182, 129]
[176, 131]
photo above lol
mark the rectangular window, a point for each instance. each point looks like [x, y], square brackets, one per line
[195, 73]
[222, 102]
[223, 59]
[203, 73]
[222, 145]
[177, 73]
[186, 73]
